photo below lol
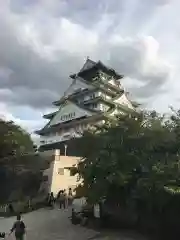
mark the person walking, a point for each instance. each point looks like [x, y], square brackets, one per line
[70, 197]
[50, 199]
[65, 198]
[18, 228]
[11, 208]
[62, 203]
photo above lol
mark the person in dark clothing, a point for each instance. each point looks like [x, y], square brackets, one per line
[57, 197]
[11, 209]
[19, 228]
[50, 199]
[70, 192]
[2, 235]
[70, 197]
[62, 203]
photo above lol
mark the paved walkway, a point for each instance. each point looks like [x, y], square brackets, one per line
[55, 225]
[49, 225]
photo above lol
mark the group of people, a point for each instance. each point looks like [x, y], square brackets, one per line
[19, 227]
[63, 199]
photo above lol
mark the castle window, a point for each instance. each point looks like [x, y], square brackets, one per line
[94, 105]
[61, 171]
[71, 174]
[104, 108]
[68, 116]
[93, 95]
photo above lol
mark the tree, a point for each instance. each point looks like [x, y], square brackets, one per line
[134, 160]
[125, 149]
[103, 168]
[14, 142]
[20, 167]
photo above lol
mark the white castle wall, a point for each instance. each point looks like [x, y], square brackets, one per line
[63, 135]
[71, 110]
[58, 174]
[124, 101]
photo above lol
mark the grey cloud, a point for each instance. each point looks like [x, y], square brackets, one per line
[20, 6]
[151, 89]
[125, 15]
[37, 81]
[88, 13]
[122, 13]
[26, 66]
[36, 98]
[34, 80]
[128, 57]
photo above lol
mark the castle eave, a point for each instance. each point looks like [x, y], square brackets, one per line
[72, 148]
[135, 104]
[71, 123]
[75, 94]
[113, 87]
[109, 70]
[100, 66]
[99, 99]
[125, 108]
[97, 66]
[49, 115]
[59, 102]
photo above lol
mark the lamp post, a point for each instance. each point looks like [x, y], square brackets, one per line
[65, 149]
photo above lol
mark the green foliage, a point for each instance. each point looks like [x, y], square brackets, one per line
[20, 168]
[14, 142]
[133, 158]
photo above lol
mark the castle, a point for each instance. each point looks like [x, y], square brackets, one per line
[95, 95]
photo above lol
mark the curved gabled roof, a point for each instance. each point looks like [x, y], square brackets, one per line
[90, 65]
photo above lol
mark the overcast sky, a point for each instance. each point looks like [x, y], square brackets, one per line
[43, 41]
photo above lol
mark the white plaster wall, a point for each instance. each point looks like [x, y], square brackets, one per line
[88, 96]
[68, 109]
[63, 135]
[117, 112]
[124, 101]
[63, 181]
[104, 107]
[112, 82]
[116, 83]
[57, 181]
[105, 95]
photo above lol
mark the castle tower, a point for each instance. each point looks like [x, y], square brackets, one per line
[95, 94]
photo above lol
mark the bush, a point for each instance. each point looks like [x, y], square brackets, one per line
[24, 206]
